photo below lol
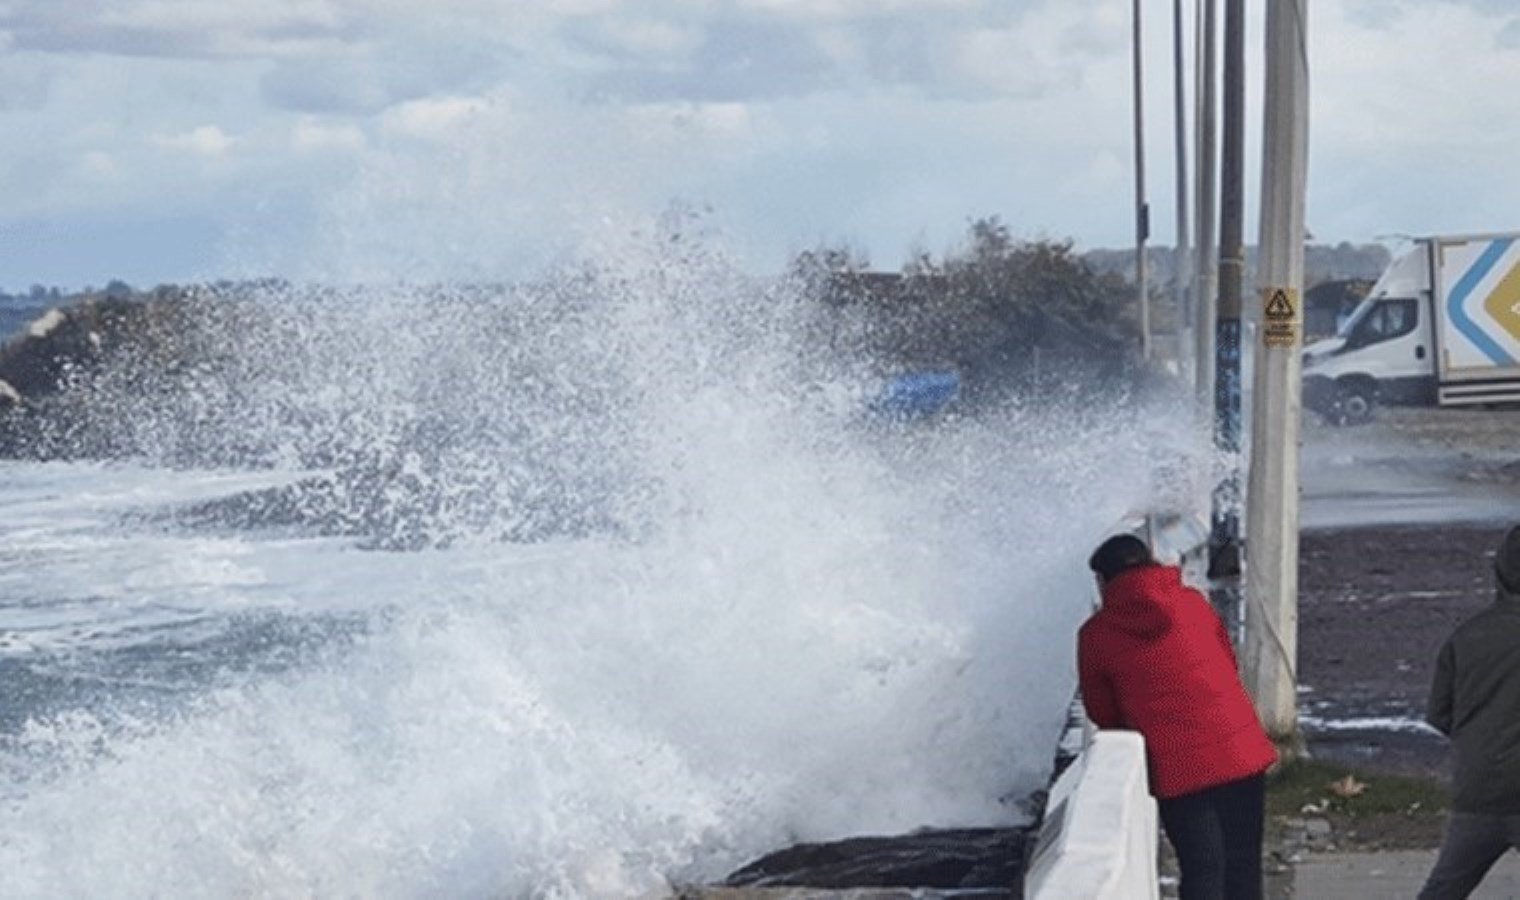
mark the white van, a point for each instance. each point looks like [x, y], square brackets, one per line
[1442, 325]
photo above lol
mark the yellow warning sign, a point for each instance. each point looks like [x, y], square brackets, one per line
[1279, 315]
[1280, 305]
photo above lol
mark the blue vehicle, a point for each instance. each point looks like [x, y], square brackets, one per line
[917, 395]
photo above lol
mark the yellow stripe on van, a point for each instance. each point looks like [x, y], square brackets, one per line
[1503, 303]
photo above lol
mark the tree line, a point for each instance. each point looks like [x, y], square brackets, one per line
[993, 308]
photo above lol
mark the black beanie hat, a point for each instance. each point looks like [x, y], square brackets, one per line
[1507, 560]
[1125, 551]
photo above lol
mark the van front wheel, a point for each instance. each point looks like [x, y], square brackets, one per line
[1354, 403]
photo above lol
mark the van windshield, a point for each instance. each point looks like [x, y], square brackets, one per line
[1345, 323]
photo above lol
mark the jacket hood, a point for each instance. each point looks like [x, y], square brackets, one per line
[1143, 601]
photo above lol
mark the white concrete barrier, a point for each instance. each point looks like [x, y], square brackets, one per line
[1098, 840]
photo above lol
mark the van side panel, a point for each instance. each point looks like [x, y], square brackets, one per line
[1477, 305]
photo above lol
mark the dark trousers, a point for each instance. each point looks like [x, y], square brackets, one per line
[1473, 843]
[1217, 835]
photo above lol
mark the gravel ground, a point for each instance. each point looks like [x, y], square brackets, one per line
[1375, 604]
[1400, 521]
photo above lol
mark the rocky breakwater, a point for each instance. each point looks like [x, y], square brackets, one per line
[38, 361]
[112, 375]
[947, 863]
[57, 355]
[404, 416]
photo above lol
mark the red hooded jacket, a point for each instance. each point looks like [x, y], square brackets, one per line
[1156, 659]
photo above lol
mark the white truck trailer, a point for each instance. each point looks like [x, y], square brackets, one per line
[1441, 326]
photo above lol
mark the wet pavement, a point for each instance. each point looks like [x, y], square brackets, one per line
[1380, 876]
[1412, 467]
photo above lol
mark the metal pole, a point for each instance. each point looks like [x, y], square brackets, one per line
[1142, 214]
[1224, 543]
[1180, 264]
[1271, 640]
[1206, 273]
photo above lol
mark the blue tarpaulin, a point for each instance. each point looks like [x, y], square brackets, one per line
[916, 394]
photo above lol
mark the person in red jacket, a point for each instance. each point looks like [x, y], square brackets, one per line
[1155, 659]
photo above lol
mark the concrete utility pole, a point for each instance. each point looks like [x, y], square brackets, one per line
[1181, 294]
[1271, 644]
[1205, 276]
[1142, 213]
[1224, 538]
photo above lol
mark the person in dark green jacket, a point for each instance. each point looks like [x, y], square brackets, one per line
[1475, 701]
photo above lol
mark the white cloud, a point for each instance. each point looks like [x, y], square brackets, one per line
[25, 83]
[220, 14]
[876, 120]
[728, 120]
[675, 123]
[651, 37]
[97, 165]
[310, 134]
[584, 7]
[842, 9]
[1400, 80]
[205, 140]
[1409, 127]
[178, 28]
[1050, 48]
[431, 118]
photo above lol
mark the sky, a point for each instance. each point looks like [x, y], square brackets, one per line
[172, 140]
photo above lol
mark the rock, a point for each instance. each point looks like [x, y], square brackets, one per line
[989, 858]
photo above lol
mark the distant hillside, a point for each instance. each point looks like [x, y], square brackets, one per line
[1322, 262]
